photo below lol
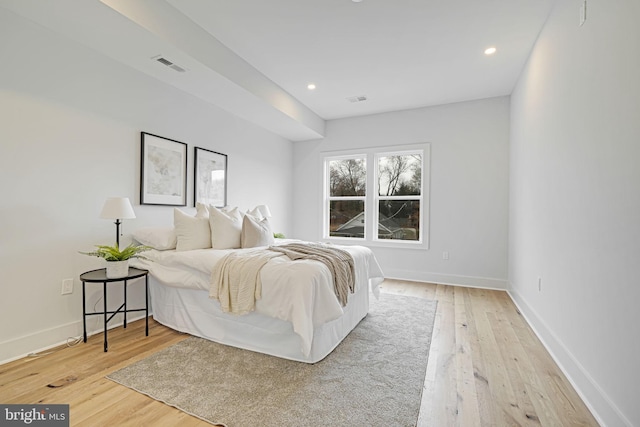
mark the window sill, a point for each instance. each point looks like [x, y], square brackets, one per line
[412, 245]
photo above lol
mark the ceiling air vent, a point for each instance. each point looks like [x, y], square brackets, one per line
[168, 63]
[360, 98]
[177, 68]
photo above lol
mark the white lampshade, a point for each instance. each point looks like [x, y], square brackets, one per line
[117, 208]
[264, 210]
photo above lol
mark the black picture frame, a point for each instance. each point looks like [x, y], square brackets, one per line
[163, 171]
[209, 177]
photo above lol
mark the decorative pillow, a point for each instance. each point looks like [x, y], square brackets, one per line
[192, 232]
[255, 232]
[201, 210]
[226, 228]
[255, 212]
[160, 238]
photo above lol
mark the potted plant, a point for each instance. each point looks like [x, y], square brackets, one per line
[118, 260]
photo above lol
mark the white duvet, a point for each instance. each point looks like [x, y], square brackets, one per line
[300, 292]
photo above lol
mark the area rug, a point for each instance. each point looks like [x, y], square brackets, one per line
[373, 378]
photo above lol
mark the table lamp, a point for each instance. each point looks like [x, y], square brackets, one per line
[117, 208]
[264, 210]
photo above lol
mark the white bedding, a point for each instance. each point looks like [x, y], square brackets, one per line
[300, 292]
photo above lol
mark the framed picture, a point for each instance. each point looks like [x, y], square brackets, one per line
[209, 177]
[163, 171]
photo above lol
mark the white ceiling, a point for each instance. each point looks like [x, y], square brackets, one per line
[399, 53]
[255, 58]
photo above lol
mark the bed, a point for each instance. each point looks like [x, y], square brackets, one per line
[297, 317]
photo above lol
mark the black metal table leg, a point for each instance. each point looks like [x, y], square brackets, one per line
[84, 313]
[125, 304]
[146, 303]
[105, 316]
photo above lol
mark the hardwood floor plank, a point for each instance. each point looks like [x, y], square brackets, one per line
[467, 403]
[495, 374]
[103, 408]
[523, 409]
[533, 401]
[486, 410]
[562, 403]
[440, 393]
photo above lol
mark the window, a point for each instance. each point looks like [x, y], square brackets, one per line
[347, 196]
[377, 196]
[399, 182]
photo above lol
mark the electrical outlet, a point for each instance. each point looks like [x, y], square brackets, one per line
[67, 286]
[445, 255]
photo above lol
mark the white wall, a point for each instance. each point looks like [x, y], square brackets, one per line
[70, 123]
[469, 187]
[575, 200]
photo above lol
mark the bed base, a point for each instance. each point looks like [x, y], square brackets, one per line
[192, 311]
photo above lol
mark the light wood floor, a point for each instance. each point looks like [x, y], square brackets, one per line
[485, 368]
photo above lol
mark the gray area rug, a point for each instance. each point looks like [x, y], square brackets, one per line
[373, 378]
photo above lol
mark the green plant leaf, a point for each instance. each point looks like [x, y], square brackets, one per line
[113, 253]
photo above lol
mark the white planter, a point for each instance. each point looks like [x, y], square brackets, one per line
[117, 269]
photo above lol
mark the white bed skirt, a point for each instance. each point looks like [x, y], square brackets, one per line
[193, 312]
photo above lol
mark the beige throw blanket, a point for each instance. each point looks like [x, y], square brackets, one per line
[339, 262]
[235, 280]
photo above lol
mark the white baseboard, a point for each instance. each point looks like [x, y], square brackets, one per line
[600, 405]
[44, 340]
[448, 279]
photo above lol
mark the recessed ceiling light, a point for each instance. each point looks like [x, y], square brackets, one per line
[311, 86]
[356, 1]
[490, 51]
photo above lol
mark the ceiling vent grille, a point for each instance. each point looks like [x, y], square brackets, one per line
[169, 64]
[360, 98]
[177, 68]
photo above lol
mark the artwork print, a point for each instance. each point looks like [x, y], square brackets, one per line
[210, 178]
[163, 171]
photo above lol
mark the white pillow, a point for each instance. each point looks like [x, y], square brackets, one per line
[160, 238]
[202, 210]
[192, 232]
[255, 232]
[226, 228]
[255, 213]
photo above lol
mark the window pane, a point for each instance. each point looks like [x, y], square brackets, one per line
[400, 175]
[346, 218]
[399, 219]
[347, 177]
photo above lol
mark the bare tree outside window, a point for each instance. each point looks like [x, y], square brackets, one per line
[347, 190]
[399, 181]
[348, 177]
[400, 175]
